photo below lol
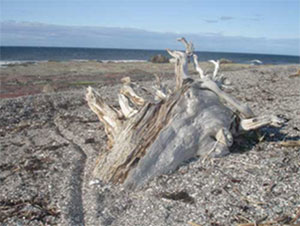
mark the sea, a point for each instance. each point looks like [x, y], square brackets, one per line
[18, 55]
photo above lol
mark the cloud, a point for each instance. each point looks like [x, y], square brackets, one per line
[224, 18]
[39, 34]
[211, 21]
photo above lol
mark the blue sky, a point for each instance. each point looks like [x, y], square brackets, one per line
[257, 26]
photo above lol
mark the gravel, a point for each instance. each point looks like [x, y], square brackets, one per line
[49, 144]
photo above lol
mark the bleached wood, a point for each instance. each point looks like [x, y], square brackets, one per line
[161, 90]
[132, 96]
[198, 119]
[106, 113]
[243, 109]
[197, 66]
[260, 121]
[159, 95]
[225, 137]
[127, 111]
[189, 47]
[181, 67]
[217, 66]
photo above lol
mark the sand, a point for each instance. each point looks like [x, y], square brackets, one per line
[49, 142]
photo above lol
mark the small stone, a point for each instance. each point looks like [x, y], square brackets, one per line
[94, 182]
[89, 140]
[48, 89]
[277, 209]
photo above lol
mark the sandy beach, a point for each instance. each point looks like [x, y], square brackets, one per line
[49, 141]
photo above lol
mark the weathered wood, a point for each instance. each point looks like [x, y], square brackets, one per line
[260, 121]
[189, 47]
[181, 62]
[126, 109]
[217, 65]
[133, 140]
[148, 139]
[162, 91]
[197, 67]
[107, 114]
[128, 91]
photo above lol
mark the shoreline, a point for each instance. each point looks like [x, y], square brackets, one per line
[12, 63]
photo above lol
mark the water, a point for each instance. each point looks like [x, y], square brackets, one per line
[9, 55]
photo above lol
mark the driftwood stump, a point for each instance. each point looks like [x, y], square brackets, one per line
[196, 119]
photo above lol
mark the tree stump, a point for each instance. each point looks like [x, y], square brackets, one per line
[197, 119]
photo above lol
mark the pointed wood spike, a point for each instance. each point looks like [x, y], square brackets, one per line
[107, 114]
[197, 66]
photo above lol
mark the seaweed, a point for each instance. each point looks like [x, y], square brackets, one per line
[182, 196]
[35, 208]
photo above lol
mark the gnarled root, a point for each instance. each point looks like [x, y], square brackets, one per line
[148, 139]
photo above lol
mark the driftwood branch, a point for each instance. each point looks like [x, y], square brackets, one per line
[189, 47]
[217, 66]
[197, 67]
[197, 119]
[162, 90]
[128, 91]
[181, 67]
[260, 121]
[243, 109]
[107, 114]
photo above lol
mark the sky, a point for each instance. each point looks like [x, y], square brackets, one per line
[253, 26]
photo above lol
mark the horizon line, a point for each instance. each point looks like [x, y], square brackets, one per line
[81, 47]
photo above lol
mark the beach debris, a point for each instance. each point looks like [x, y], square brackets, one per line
[290, 143]
[225, 61]
[159, 59]
[150, 138]
[256, 62]
[36, 208]
[182, 196]
[297, 74]
[48, 89]
[94, 182]
[284, 220]
[193, 223]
